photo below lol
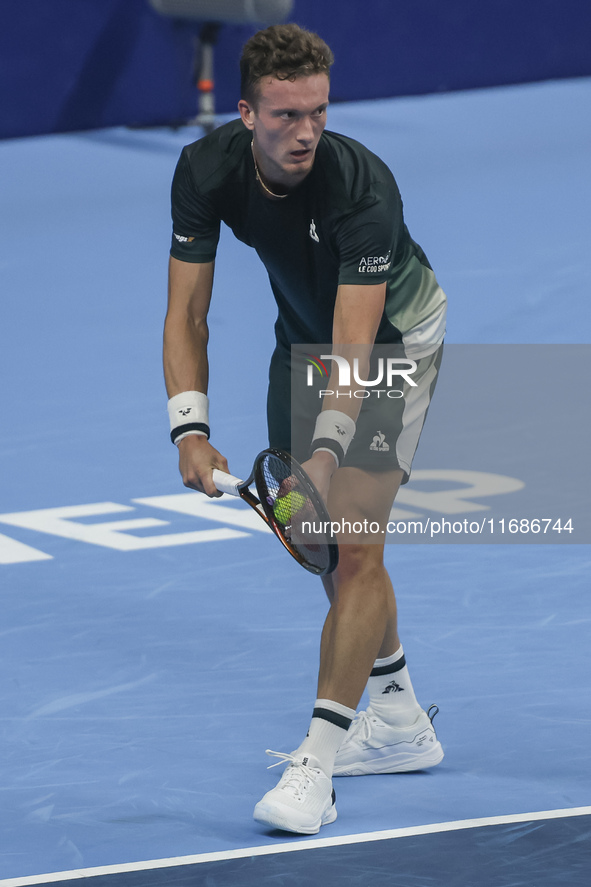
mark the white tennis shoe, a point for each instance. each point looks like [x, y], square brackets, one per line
[302, 800]
[372, 746]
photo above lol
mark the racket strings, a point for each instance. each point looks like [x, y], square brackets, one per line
[300, 520]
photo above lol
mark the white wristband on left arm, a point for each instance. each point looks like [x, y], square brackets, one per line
[334, 432]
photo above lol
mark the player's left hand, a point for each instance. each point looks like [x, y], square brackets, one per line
[320, 469]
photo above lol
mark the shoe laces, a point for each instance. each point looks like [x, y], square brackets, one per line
[298, 776]
[361, 724]
[360, 727]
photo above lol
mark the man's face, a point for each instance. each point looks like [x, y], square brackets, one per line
[287, 122]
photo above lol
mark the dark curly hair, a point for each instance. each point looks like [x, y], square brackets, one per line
[282, 51]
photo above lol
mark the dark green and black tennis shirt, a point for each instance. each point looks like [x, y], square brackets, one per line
[342, 225]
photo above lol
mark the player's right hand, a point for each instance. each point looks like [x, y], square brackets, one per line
[197, 459]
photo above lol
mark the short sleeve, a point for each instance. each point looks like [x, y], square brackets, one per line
[367, 236]
[195, 225]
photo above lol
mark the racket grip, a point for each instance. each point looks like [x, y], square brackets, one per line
[226, 483]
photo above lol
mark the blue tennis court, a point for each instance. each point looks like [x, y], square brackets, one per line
[154, 643]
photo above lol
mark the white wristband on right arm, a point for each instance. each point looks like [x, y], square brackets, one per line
[333, 433]
[189, 414]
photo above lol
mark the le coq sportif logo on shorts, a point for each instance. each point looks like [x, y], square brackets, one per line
[379, 443]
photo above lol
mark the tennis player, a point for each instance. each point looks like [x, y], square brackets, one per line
[325, 216]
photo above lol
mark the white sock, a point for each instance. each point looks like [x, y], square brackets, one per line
[391, 696]
[328, 727]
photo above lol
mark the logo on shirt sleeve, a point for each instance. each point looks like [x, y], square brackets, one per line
[182, 239]
[375, 264]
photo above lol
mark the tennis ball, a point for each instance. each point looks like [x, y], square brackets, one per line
[286, 506]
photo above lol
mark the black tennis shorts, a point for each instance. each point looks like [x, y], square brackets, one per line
[389, 424]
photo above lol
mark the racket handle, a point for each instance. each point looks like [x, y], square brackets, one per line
[226, 483]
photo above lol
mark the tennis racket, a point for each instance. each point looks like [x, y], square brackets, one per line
[289, 503]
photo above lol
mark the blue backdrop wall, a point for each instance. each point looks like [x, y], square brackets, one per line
[82, 64]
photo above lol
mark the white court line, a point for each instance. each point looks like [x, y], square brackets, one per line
[269, 849]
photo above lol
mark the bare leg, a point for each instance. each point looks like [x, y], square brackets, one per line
[362, 623]
[359, 627]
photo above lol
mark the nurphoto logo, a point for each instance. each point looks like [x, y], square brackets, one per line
[389, 370]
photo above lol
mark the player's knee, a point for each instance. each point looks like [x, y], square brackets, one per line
[358, 562]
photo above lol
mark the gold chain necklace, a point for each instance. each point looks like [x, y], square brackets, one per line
[259, 179]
